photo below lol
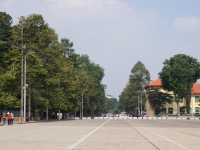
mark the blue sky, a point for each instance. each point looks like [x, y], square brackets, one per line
[118, 33]
[171, 8]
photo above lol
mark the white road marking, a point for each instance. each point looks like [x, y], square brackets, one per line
[81, 140]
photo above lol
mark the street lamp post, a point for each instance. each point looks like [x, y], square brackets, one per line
[23, 79]
[25, 86]
[141, 105]
[81, 105]
[138, 106]
[22, 85]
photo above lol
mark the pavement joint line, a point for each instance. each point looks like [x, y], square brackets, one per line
[146, 138]
[81, 140]
[171, 141]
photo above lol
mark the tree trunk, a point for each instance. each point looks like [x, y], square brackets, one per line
[29, 103]
[82, 99]
[75, 115]
[47, 113]
[178, 108]
[177, 105]
[167, 109]
[92, 113]
[92, 110]
[59, 114]
[80, 110]
[188, 101]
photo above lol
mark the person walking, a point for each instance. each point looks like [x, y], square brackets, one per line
[1, 116]
[137, 114]
[4, 119]
[8, 118]
[12, 118]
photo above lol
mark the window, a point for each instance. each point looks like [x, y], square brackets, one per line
[197, 99]
[181, 100]
[197, 109]
[170, 110]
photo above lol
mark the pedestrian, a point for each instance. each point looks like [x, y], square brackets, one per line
[4, 119]
[142, 114]
[57, 116]
[1, 116]
[8, 116]
[12, 118]
[137, 114]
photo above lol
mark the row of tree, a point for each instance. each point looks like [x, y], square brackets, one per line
[57, 77]
[178, 75]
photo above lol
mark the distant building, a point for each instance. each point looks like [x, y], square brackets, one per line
[171, 108]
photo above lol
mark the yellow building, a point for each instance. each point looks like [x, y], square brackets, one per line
[195, 100]
[171, 108]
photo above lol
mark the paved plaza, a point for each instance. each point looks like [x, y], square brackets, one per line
[103, 135]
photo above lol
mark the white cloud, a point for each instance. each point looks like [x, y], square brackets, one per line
[187, 24]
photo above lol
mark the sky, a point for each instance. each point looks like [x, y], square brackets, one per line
[118, 33]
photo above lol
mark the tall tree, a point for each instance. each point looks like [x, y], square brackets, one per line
[139, 77]
[179, 73]
[90, 78]
[8, 72]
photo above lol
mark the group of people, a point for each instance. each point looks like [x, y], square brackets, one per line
[6, 118]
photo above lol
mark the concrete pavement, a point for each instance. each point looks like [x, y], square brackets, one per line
[103, 135]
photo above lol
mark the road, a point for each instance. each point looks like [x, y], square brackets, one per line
[103, 135]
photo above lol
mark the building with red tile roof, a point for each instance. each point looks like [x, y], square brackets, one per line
[155, 83]
[158, 84]
[195, 98]
[196, 89]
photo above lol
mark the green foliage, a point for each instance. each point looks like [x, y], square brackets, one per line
[111, 105]
[8, 71]
[8, 101]
[56, 75]
[5, 31]
[179, 73]
[68, 51]
[89, 77]
[139, 77]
